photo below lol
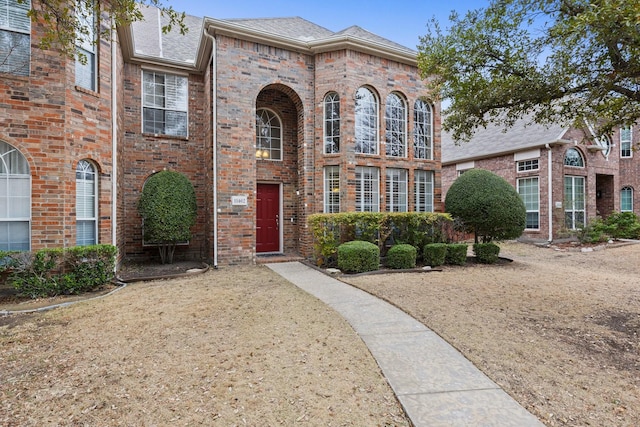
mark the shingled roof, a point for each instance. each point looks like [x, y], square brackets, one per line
[494, 141]
[149, 43]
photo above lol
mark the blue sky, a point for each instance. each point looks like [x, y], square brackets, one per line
[401, 21]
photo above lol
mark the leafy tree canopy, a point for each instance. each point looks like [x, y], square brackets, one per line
[488, 206]
[562, 61]
[67, 21]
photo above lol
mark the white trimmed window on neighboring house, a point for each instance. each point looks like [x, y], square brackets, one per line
[574, 202]
[529, 191]
[626, 150]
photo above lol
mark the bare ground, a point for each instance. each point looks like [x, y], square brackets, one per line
[557, 329]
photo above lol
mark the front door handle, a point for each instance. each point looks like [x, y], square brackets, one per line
[277, 222]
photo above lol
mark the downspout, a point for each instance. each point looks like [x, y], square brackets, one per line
[549, 191]
[214, 137]
[114, 139]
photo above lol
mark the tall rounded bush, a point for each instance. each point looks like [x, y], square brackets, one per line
[401, 256]
[168, 209]
[488, 206]
[358, 256]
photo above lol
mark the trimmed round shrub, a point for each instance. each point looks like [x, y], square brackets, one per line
[434, 254]
[456, 254]
[486, 253]
[488, 206]
[358, 256]
[402, 256]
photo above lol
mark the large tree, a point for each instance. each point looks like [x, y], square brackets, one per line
[67, 21]
[564, 61]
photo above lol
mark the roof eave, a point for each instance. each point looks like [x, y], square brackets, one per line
[552, 143]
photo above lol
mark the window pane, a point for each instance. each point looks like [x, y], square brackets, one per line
[165, 98]
[331, 189]
[367, 189]
[86, 233]
[423, 191]
[529, 193]
[396, 190]
[396, 126]
[332, 123]
[626, 200]
[268, 136]
[14, 236]
[366, 127]
[422, 131]
[85, 73]
[19, 53]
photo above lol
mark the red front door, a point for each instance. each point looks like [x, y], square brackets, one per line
[268, 218]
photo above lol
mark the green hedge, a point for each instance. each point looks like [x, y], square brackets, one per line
[401, 256]
[384, 229]
[358, 256]
[434, 254]
[51, 272]
[456, 254]
[486, 253]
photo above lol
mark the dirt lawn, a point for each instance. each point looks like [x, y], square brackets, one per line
[558, 330]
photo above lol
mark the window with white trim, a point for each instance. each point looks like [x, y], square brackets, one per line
[396, 190]
[529, 190]
[625, 142]
[573, 158]
[423, 182]
[396, 126]
[331, 189]
[15, 37]
[86, 204]
[367, 189]
[165, 103]
[331, 123]
[528, 165]
[626, 199]
[366, 127]
[268, 135]
[574, 202]
[422, 131]
[15, 200]
[86, 64]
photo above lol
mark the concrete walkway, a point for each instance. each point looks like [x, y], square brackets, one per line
[434, 383]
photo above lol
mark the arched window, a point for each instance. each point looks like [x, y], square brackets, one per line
[626, 199]
[573, 158]
[422, 130]
[86, 204]
[15, 200]
[331, 123]
[366, 122]
[396, 126]
[268, 135]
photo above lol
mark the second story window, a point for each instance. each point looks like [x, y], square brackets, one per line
[625, 142]
[396, 126]
[164, 104]
[366, 122]
[331, 123]
[15, 37]
[268, 135]
[86, 64]
[422, 131]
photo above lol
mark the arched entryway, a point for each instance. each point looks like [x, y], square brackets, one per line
[278, 144]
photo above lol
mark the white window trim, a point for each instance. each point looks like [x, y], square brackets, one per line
[325, 121]
[390, 119]
[166, 73]
[573, 209]
[5, 180]
[397, 201]
[270, 150]
[328, 190]
[626, 187]
[630, 141]
[422, 184]
[376, 117]
[537, 201]
[96, 195]
[375, 186]
[428, 147]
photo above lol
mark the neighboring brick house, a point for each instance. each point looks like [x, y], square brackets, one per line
[271, 119]
[565, 176]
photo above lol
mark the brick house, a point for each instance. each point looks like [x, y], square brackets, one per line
[564, 175]
[271, 119]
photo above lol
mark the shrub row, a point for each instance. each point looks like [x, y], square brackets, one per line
[383, 229]
[51, 272]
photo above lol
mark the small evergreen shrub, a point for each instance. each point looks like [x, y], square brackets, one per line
[623, 225]
[358, 256]
[51, 272]
[456, 254]
[486, 253]
[434, 254]
[402, 256]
